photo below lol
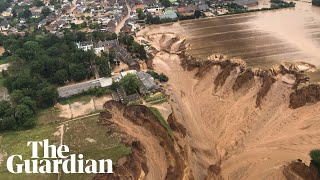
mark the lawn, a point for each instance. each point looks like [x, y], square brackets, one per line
[1, 82]
[93, 141]
[49, 116]
[16, 144]
[81, 98]
[82, 136]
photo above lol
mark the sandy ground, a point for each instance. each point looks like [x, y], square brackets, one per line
[4, 66]
[1, 50]
[78, 109]
[223, 126]
[164, 109]
[155, 153]
[99, 102]
[122, 66]
[65, 111]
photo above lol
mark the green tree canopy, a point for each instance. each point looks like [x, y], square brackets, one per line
[129, 83]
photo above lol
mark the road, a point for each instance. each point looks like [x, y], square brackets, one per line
[121, 23]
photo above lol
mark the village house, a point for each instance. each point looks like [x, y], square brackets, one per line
[97, 47]
[147, 83]
[4, 25]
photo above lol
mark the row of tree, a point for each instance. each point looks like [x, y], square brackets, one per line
[40, 62]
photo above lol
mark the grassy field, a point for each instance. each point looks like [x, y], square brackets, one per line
[1, 82]
[83, 99]
[163, 122]
[49, 116]
[82, 136]
[93, 141]
[16, 143]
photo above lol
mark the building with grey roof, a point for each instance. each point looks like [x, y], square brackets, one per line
[147, 83]
[70, 90]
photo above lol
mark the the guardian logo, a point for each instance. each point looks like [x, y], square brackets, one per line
[55, 158]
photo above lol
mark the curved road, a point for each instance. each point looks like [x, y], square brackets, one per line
[122, 22]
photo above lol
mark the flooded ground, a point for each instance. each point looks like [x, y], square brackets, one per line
[262, 39]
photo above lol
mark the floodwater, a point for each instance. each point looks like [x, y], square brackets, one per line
[262, 39]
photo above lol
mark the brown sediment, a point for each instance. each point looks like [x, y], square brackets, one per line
[307, 94]
[152, 147]
[297, 170]
[229, 121]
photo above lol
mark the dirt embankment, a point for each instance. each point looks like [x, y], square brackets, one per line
[297, 170]
[155, 155]
[238, 123]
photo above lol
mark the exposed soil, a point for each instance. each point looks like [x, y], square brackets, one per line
[235, 122]
[155, 155]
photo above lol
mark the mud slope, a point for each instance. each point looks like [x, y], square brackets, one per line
[249, 121]
[155, 155]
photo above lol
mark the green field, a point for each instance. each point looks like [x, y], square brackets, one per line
[16, 144]
[49, 116]
[82, 136]
[93, 141]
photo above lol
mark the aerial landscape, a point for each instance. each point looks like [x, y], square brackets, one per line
[163, 89]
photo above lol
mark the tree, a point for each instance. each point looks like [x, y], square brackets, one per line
[30, 50]
[129, 83]
[163, 78]
[16, 96]
[45, 12]
[8, 123]
[38, 3]
[26, 14]
[61, 76]
[29, 102]
[141, 14]
[4, 107]
[77, 72]
[165, 3]
[197, 13]
[23, 113]
[316, 2]
[47, 96]
[315, 156]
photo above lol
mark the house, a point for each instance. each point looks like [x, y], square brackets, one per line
[169, 16]
[4, 25]
[147, 83]
[140, 6]
[125, 56]
[70, 90]
[203, 7]
[245, 2]
[85, 45]
[97, 47]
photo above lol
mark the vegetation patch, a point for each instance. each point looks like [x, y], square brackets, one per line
[155, 97]
[49, 116]
[16, 143]
[163, 122]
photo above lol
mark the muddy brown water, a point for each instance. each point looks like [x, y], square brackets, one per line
[262, 39]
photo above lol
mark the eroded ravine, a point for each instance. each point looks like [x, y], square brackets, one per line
[229, 121]
[238, 117]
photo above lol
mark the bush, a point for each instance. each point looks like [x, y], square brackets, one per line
[316, 2]
[315, 156]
